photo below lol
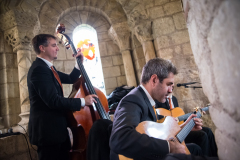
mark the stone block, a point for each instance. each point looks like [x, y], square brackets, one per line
[180, 37]
[2, 61]
[140, 63]
[103, 28]
[161, 2]
[117, 60]
[59, 65]
[179, 21]
[102, 49]
[110, 83]
[165, 53]
[7, 48]
[69, 54]
[162, 42]
[112, 48]
[172, 7]
[21, 144]
[103, 36]
[107, 61]
[7, 146]
[178, 49]
[135, 42]
[108, 91]
[121, 81]
[11, 60]
[139, 52]
[3, 91]
[122, 70]
[69, 65]
[13, 90]
[67, 89]
[156, 12]
[1, 42]
[61, 53]
[111, 71]
[3, 76]
[187, 50]
[12, 75]
[163, 26]
[14, 106]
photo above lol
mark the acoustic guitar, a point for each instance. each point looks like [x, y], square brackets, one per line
[168, 130]
[178, 113]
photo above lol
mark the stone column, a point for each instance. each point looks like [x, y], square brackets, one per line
[121, 36]
[19, 28]
[143, 33]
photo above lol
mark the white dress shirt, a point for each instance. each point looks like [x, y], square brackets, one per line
[152, 103]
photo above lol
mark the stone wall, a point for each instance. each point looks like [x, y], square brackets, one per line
[9, 86]
[15, 147]
[215, 39]
[171, 41]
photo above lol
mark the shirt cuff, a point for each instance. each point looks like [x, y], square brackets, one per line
[82, 102]
[76, 65]
[168, 146]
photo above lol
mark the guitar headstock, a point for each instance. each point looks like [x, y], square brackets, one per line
[64, 39]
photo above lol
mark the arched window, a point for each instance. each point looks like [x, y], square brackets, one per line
[85, 37]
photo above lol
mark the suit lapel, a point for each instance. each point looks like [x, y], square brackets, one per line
[167, 105]
[148, 103]
[41, 62]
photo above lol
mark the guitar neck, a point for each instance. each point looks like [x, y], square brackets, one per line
[185, 116]
[186, 129]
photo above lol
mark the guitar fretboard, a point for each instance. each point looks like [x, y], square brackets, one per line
[186, 129]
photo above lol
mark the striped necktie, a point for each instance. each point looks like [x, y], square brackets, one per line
[170, 103]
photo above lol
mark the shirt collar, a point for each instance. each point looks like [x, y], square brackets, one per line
[148, 95]
[47, 62]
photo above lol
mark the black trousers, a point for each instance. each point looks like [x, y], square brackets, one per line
[55, 152]
[194, 149]
[205, 139]
[98, 140]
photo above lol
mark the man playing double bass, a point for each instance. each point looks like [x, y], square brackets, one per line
[157, 82]
[47, 121]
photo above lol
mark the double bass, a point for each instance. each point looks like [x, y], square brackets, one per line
[81, 121]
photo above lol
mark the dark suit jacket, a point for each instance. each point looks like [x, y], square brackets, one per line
[166, 104]
[133, 109]
[47, 121]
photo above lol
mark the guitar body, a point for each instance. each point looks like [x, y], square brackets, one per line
[175, 112]
[166, 130]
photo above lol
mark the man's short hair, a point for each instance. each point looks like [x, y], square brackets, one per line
[41, 39]
[158, 66]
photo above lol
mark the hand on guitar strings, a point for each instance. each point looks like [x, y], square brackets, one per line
[198, 122]
[79, 55]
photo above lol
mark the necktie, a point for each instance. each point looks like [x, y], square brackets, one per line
[56, 76]
[170, 103]
[155, 111]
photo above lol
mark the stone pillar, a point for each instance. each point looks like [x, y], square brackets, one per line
[19, 28]
[121, 36]
[143, 33]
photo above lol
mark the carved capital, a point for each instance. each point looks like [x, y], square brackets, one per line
[143, 32]
[120, 34]
[138, 16]
[19, 28]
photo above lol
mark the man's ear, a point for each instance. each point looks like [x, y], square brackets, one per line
[154, 78]
[42, 49]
